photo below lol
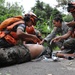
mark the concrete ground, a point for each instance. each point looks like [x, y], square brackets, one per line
[43, 67]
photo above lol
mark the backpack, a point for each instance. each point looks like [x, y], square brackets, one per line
[10, 21]
[7, 26]
[30, 30]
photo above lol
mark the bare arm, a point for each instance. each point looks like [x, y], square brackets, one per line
[71, 24]
[68, 34]
[65, 36]
[50, 36]
[25, 37]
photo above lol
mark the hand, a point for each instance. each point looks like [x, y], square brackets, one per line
[36, 39]
[56, 39]
[41, 42]
[71, 24]
[62, 48]
[24, 42]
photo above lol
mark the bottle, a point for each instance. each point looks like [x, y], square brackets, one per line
[54, 58]
[46, 59]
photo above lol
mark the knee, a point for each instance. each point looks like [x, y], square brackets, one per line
[66, 44]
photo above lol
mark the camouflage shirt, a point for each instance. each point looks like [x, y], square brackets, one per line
[57, 30]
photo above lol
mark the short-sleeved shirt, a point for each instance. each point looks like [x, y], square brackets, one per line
[22, 27]
[4, 43]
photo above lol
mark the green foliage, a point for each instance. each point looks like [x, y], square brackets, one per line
[7, 10]
[2, 2]
[63, 3]
[68, 18]
[14, 8]
[43, 10]
[47, 13]
[44, 28]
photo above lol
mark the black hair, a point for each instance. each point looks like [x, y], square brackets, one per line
[58, 19]
[27, 18]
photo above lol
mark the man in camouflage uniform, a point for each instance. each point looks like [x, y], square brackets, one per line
[60, 28]
[69, 45]
[18, 53]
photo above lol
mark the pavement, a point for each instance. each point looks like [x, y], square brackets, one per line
[43, 67]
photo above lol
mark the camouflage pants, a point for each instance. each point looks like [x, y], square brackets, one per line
[15, 54]
[69, 45]
[56, 44]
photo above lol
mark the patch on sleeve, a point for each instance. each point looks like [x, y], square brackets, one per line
[22, 27]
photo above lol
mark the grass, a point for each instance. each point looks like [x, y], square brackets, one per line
[56, 48]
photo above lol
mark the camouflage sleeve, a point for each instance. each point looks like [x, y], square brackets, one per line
[70, 29]
[52, 35]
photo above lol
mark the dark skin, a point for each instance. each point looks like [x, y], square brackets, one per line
[72, 23]
[68, 34]
[65, 36]
[62, 55]
[27, 37]
[35, 49]
[56, 25]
